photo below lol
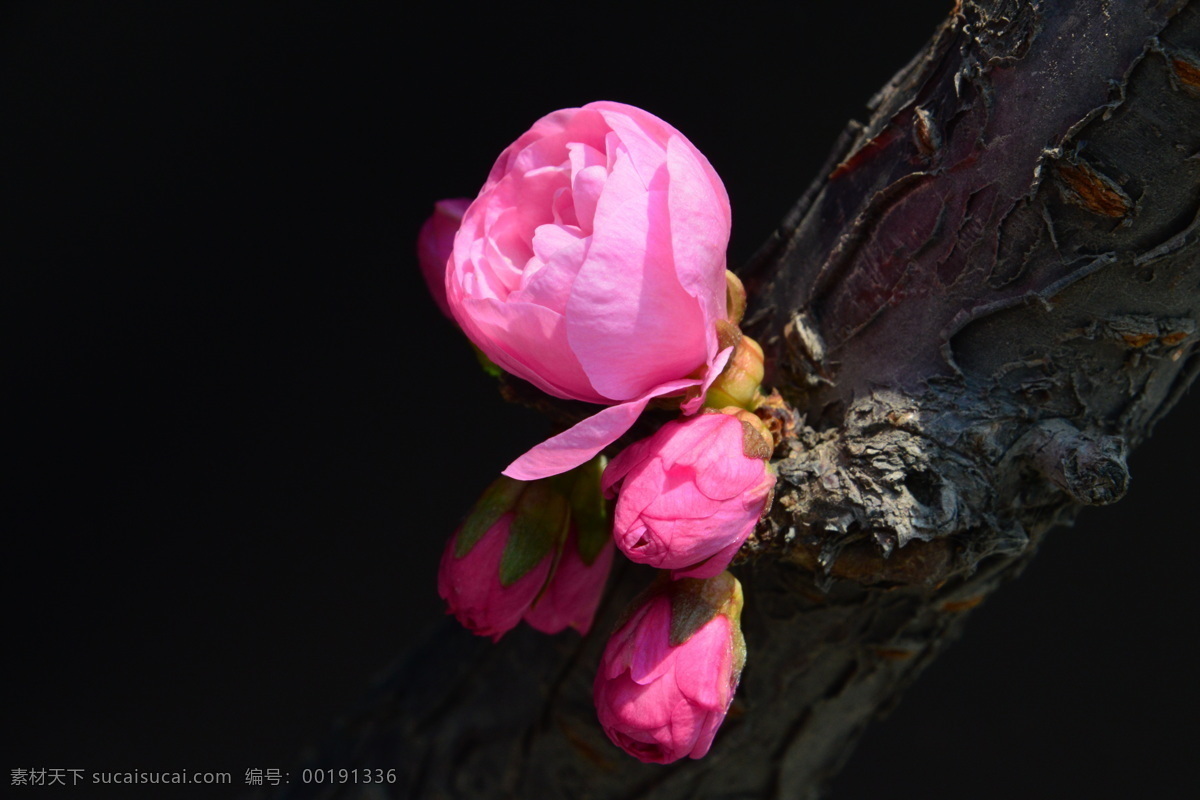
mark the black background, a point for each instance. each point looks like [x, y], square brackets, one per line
[241, 431]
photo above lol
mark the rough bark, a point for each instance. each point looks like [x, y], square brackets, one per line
[987, 297]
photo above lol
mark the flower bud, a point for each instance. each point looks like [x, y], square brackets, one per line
[669, 672]
[435, 243]
[690, 494]
[739, 384]
[497, 563]
[573, 592]
[539, 551]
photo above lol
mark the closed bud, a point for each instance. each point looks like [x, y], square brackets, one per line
[573, 592]
[537, 550]
[669, 672]
[740, 383]
[689, 495]
[435, 243]
[497, 563]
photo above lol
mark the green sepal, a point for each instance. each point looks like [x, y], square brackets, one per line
[488, 365]
[496, 501]
[695, 601]
[589, 510]
[717, 398]
[538, 528]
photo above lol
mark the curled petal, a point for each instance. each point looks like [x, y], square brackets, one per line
[585, 439]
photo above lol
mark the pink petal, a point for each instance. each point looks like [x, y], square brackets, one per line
[527, 340]
[679, 499]
[571, 597]
[551, 126]
[708, 728]
[715, 564]
[646, 479]
[629, 321]
[731, 474]
[714, 371]
[558, 254]
[619, 467]
[700, 225]
[680, 440]
[683, 545]
[576, 445]
[622, 645]
[704, 665]
[588, 174]
[653, 656]
[642, 135]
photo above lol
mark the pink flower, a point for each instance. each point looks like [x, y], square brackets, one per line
[592, 264]
[435, 243]
[690, 494]
[574, 592]
[663, 687]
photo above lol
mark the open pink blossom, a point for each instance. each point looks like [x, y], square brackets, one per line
[592, 264]
[690, 494]
[435, 243]
[661, 696]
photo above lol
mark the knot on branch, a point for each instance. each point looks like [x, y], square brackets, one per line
[912, 490]
[1088, 467]
[878, 500]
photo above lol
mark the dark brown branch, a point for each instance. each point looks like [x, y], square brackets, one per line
[992, 293]
[986, 298]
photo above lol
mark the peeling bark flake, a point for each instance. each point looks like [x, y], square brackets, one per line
[927, 138]
[1090, 190]
[1187, 72]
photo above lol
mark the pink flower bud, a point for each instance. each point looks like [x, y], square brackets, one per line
[592, 264]
[539, 551]
[691, 493]
[573, 593]
[669, 673]
[498, 561]
[435, 243]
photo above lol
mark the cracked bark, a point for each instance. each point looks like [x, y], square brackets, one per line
[986, 298]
